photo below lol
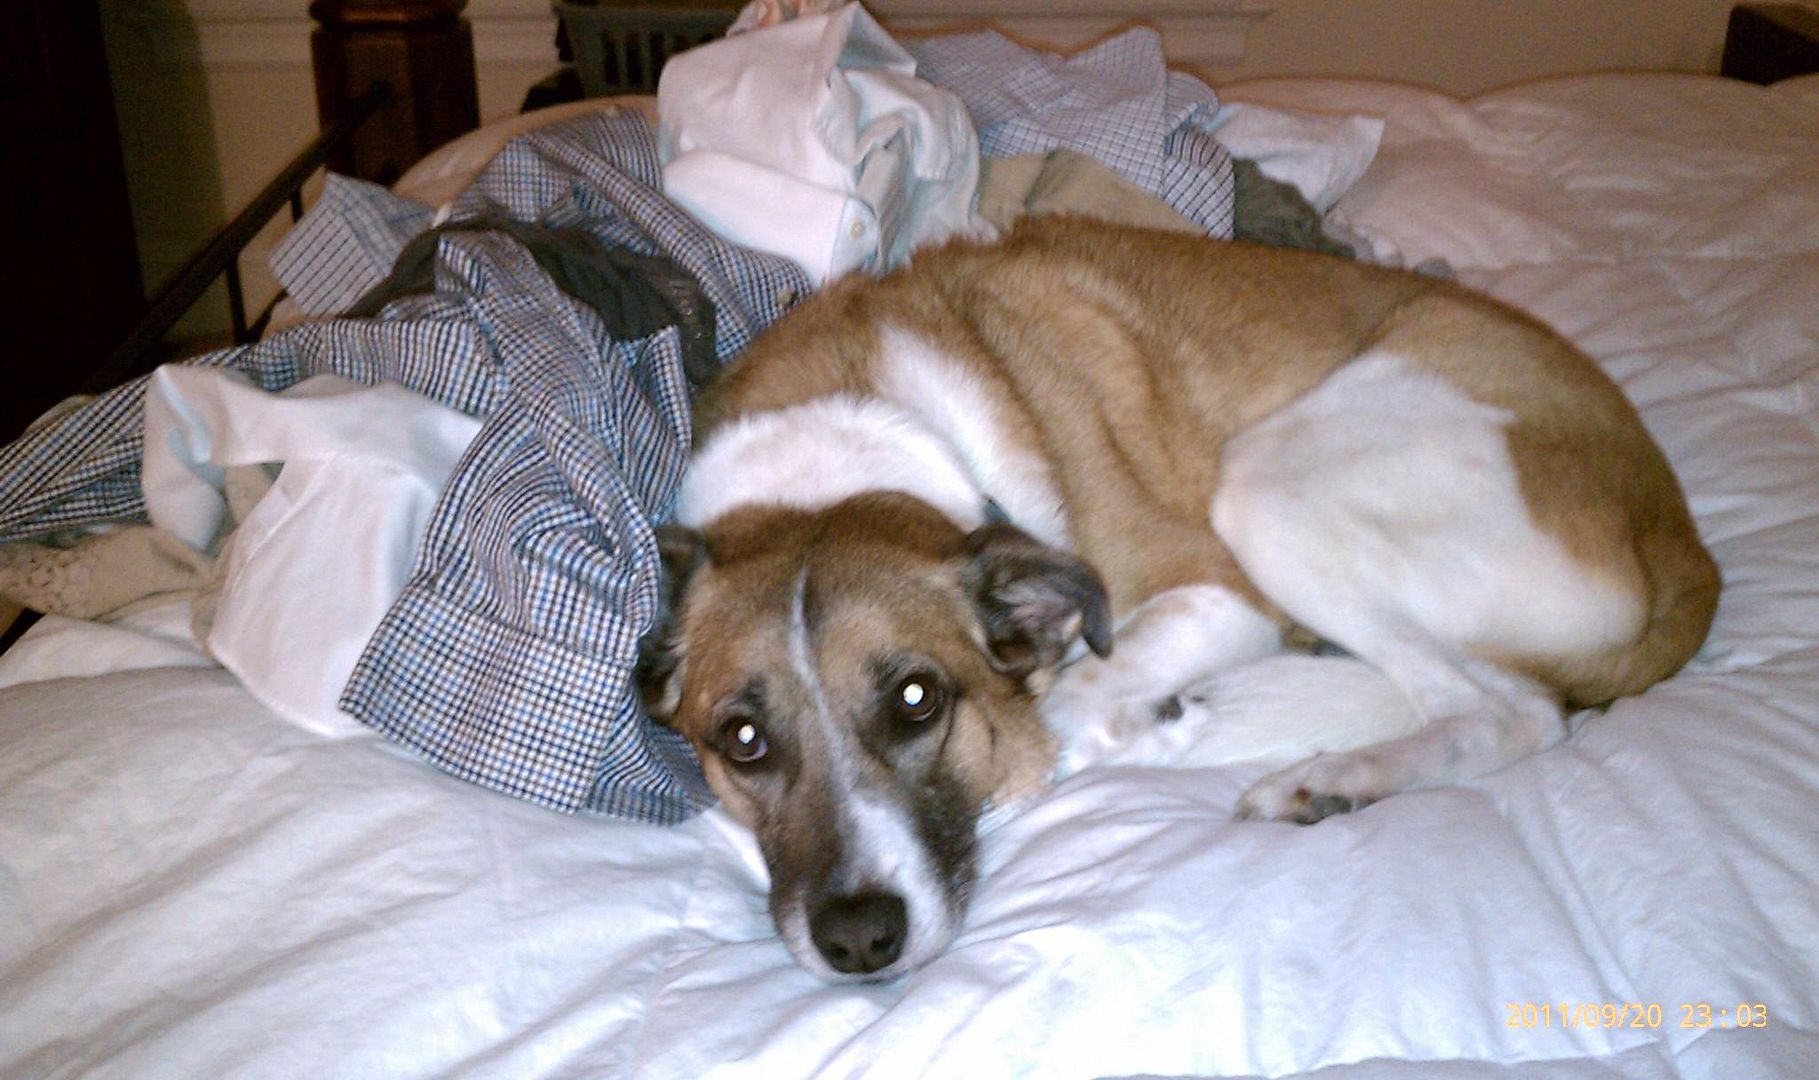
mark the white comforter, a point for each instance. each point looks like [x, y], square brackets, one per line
[191, 887]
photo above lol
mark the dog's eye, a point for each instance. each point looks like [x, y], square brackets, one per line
[742, 740]
[916, 697]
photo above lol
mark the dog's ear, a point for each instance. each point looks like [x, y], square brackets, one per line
[659, 652]
[1033, 600]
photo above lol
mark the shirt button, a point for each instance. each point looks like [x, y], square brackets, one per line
[857, 230]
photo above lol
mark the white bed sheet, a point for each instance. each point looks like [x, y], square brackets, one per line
[190, 886]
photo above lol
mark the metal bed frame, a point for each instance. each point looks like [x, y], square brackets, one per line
[220, 256]
[394, 79]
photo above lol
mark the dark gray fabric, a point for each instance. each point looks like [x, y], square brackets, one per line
[1266, 211]
[634, 294]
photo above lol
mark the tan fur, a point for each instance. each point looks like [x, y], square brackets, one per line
[1591, 477]
[1126, 358]
[1117, 365]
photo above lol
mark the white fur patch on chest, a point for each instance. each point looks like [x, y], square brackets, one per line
[934, 431]
[818, 453]
[957, 406]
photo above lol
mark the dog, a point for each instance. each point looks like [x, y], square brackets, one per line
[1052, 483]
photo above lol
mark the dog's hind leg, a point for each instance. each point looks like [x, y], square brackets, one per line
[1481, 718]
[1383, 512]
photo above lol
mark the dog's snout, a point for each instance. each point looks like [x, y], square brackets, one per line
[860, 933]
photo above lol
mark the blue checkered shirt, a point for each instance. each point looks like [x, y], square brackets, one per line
[508, 659]
[1116, 101]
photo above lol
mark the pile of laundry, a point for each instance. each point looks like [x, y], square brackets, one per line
[428, 509]
[811, 133]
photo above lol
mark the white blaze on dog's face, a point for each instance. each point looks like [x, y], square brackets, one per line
[858, 681]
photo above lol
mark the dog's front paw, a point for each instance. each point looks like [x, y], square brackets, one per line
[1314, 790]
[1094, 722]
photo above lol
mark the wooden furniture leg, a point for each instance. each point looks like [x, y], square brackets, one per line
[424, 49]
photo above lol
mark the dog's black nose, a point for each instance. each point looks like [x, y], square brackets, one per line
[860, 933]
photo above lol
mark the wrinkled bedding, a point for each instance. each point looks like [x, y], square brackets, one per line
[190, 886]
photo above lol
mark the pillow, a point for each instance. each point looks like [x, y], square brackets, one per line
[1321, 155]
[1440, 201]
[1435, 189]
[449, 169]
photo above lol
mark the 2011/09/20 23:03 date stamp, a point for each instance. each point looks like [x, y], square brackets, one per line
[1611, 1014]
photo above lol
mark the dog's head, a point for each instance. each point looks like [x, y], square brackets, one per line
[858, 681]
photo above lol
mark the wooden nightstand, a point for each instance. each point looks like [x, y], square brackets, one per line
[1770, 42]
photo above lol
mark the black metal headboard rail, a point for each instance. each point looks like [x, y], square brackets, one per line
[220, 256]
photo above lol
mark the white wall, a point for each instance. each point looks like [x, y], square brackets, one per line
[1462, 46]
[1466, 46]
[215, 95]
